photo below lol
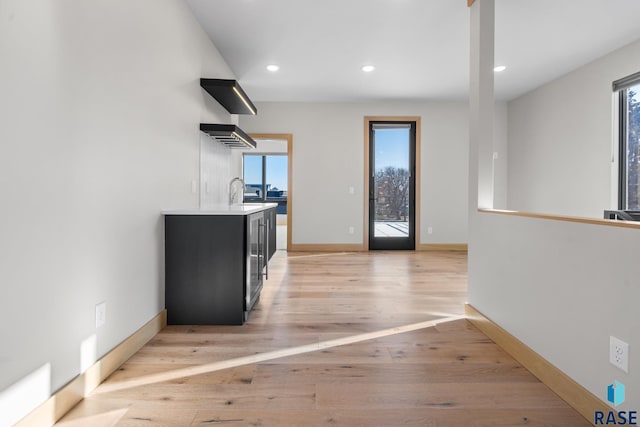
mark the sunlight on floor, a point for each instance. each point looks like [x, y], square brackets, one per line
[270, 355]
[105, 419]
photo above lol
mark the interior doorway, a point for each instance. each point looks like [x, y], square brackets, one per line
[267, 173]
[391, 183]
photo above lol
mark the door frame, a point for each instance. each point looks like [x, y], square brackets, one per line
[289, 138]
[417, 179]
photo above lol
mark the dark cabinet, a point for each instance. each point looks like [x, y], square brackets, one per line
[215, 265]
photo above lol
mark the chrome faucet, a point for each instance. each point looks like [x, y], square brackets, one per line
[233, 192]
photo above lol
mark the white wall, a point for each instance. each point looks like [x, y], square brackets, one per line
[560, 140]
[501, 155]
[328, 158]
[100, 108]
[562, 288]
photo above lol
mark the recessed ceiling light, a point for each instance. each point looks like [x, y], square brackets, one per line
[273, 68]
[368, 68]
[499, 68]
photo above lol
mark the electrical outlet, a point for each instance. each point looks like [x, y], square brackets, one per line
[619, 353]
[101, 314]
[351, 230]
[429, 230]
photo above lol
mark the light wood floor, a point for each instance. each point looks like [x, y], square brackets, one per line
[337, 339]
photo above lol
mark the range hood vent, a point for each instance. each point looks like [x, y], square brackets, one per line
[230, 95]
[230, 135]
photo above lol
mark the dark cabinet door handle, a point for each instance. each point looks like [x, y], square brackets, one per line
[265, 247]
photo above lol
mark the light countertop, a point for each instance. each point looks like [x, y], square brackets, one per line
[243, 209]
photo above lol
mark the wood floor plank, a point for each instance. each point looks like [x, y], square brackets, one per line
[414, 373]
[207, 396]
[239, 375]
[469, 353]
[354, 353]
[437, 395]
[160, 417]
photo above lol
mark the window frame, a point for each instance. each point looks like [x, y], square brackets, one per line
[622, 87]
[622, 149]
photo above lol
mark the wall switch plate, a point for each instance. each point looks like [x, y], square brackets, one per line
[352, 190]
[496, 156]
[429, 230]
[619, 353]
[101, 314]
[351, 230]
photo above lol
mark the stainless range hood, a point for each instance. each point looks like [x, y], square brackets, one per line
[230, 135]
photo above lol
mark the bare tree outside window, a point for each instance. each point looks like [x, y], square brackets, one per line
[392, 191]
[633, 149]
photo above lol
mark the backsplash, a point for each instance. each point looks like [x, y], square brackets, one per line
[216, 171]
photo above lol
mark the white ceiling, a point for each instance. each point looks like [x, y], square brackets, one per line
[420, 47]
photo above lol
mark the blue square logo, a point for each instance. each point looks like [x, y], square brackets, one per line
[615, 393]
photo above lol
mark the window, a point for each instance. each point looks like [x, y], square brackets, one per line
[253, 177]
[629, 133]
[265, 177]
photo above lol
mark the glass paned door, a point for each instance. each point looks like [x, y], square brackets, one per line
[391, 185]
